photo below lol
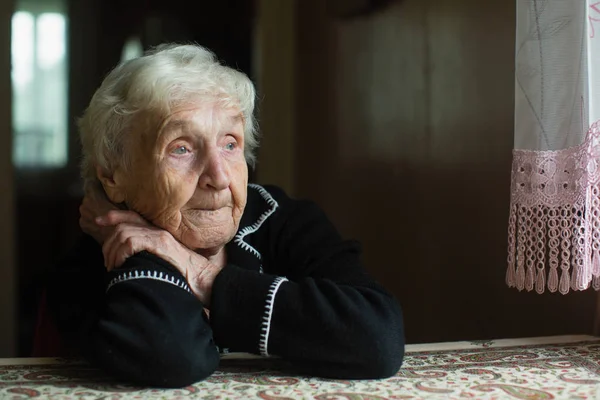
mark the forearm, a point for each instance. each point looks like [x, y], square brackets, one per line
[143, 326]
[335, 330]
[158, 340]
[324, 328]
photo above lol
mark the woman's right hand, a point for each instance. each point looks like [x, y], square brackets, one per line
[128, 239]
[123, 233]
[99, 217]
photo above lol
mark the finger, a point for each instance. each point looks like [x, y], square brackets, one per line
[111, 245]
[87, 207]
[85, 203]
[82, 209]
[106, 250]
[139, 238]
[86, 216]
[116, 256]
[123, 239]
[86, 226]
[86, 211]
[127, 241]
[101, 204]
[126, 250]
[88, 220]
[95, 206]
[115, 217]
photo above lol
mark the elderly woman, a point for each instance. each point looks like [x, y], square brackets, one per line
[184, 259]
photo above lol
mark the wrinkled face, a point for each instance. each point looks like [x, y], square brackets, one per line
[190, 178]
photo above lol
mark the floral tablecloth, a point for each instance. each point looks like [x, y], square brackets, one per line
[537, 368]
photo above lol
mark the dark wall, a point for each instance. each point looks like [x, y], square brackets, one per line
[405, 132]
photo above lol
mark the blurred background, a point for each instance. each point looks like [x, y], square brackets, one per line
[396, 116]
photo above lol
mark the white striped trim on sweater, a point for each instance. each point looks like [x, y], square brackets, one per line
[266, 322]
[157, 276]
[239, 237]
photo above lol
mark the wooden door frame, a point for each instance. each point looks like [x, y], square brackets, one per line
[7, 229]
[275, 66]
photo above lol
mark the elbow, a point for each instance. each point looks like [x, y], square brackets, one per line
[382, 359]
[383, 352]
[180, 370]
[156, 366]
[383, 363]
[379, 355]
[378, 358]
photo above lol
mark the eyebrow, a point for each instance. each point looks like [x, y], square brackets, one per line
[175, 123]
[182, 123]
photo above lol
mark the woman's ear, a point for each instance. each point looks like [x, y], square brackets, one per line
[112, 184]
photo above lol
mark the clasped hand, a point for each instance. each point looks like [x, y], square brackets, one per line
[123, 233]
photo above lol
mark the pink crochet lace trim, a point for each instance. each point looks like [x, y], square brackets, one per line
[554, 223]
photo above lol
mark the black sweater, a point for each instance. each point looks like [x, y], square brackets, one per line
[291, 288]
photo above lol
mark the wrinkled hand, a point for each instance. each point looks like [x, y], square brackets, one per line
[128, 239]
[99, 216]
[124, 233]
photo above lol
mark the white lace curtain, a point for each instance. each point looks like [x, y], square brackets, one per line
[554, 223]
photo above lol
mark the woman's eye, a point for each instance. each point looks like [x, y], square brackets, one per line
[230, 146]
[180, 150]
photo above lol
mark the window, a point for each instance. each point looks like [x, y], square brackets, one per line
[132, 49]
[40, 82]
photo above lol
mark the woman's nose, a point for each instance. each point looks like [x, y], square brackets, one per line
[215, 174]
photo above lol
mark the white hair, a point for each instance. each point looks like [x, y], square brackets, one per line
[162, 79]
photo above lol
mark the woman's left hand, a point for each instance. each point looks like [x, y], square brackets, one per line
[128, 239]
[98, 216]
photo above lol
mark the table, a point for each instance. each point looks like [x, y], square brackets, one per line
[563, 367]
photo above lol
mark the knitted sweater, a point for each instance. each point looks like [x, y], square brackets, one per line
[291, 288]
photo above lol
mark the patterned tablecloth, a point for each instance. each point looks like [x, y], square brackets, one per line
[538, 368]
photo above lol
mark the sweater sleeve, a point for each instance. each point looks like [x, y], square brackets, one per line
[139, 323]
[315, 306]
